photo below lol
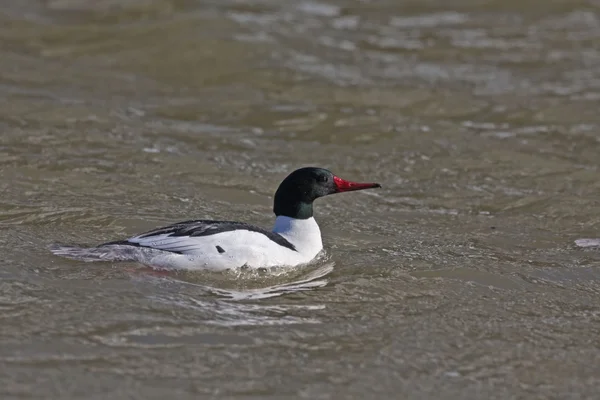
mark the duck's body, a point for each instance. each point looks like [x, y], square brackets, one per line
[219, 245]
[212, 245]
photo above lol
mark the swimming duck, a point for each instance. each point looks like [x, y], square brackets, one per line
[219, 245]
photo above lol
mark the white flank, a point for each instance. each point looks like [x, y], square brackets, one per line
[220, 251]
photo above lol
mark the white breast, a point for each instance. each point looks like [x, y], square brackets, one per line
[304, 234]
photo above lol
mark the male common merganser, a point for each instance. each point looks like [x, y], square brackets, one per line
[220, 245]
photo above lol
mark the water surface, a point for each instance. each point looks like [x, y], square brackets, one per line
[458, 279]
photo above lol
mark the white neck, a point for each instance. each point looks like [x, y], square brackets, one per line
[302, 233]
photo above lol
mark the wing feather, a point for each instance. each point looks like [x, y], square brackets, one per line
[191, 236]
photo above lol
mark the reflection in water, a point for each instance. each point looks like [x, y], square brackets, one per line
[310, 280]
[234, 310]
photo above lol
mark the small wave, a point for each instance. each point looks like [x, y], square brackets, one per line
[587, 242]
[312, 279]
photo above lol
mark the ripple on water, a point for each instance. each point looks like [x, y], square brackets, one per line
[459, 277]
[237, 306]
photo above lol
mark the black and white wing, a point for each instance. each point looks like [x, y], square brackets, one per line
[195, 236]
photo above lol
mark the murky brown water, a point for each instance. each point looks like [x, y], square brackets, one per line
[458, 280]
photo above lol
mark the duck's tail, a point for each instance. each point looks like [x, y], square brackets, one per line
[100, 253]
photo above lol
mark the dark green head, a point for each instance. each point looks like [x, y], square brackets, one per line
[295, 195]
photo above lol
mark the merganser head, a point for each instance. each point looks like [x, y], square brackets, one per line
[295, 195]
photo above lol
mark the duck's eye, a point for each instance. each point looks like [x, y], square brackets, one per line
[322, 178]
